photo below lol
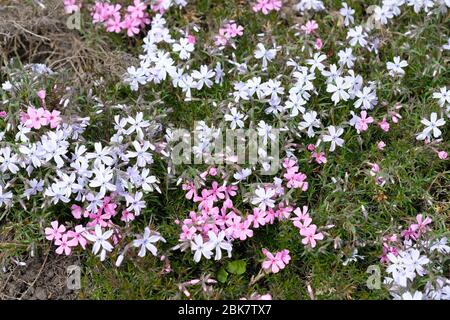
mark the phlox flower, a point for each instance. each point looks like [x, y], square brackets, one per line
[265, 55]
[55, 232]
[64, 244]
[71, 6]
[310, 235]
[114, 24]
[100, 12]
[421, 225]
[145, 242]
[263, 198]
[77, 236]
[318, 44]
[277, 262]
[184, 47]
[431, 127]
[77, 211]
[310, 26]
[363, 122]
[442, 155]
[201, 248]
[131, 25]
[384, 125]
[396, 68]
[319, 157]
[381, 145]
[35, 118]
[233, 30]
[219, 242]
[100, 240]
[187, 233]
[127, 216]
[258, 218]
[242, 230]
[265, 6]
[191, 39]
[333, 137]
[191, 190]
[53, 118]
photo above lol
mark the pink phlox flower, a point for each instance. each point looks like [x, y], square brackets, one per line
[384, 125]
[77, 236]
[318, 44]
[205, 199]
[217, 192]
[284, 256]
[53, 118]
[270, 216]
[297, 181]
[191, 39]
[64, 244]
[77, 211]
[242, 230]
[262, 5]
[421, 225]
[310, 235]
[71, 6]
[410, 234]
[55, 232]
[131, 25]
[283, 212]
[99, 218]
[100, 12]
[230, 190]
[109, 207]
[310, 26]
[274, 263]
[319, 157]
[137, 10]
[363, 122]
[127, 216]
[442, 155]
[232, 30]
[188, 233]
[35, 118]
[258, 217]
[114, 24]
[190, 188]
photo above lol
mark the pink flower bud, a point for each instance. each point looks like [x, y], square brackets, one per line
[319, 44]
[41, 94]
[442, 155]
[191, 39]
[381, 145]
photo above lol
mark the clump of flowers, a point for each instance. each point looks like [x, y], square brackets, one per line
[71, 6]
[217, 222]
[132, 21]
[227, 33]
[412, 259]
[266, 6]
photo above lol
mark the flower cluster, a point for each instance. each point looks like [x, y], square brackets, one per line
[412, 256]
[227, 32]
[266, 6]
[132, 21]
[71, 6]
[217, 222]
[275, 262]
[48, 158]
